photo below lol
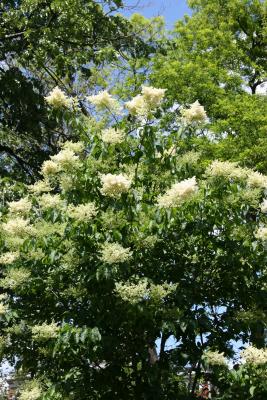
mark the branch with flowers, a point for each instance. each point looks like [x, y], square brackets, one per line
[131, 239]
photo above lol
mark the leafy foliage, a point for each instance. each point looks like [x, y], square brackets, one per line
[101, 268]
[43, 44]
[218, 56]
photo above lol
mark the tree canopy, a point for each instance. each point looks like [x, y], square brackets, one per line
[218, 56]
[133, 218]
[43, 44]
[131, 238]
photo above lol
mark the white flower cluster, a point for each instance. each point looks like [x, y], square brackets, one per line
[21, 206]
[49, 167]
[31, 391]
[178, 193]
[261, 233]
[82, 212]
[159, 292]
[104, 101]
[58, 99]
[9, 257]
[195, 114]
[264, 206]
[44, 228]
[40, 187]
[226, 169]
[15, 277]
[66, 182]
[115, 185]
[232, 170]
[142, 290]
[137, 106]
[113, 136]
[153, 96]
[131, 292]
[48, 201]
[190, 158]
[149, 241]
[36, 255]
[66, 160]
[256, 179]
[45, 331]
[114, 253]
[3, 308]
[76, 147]
[214, 358]
[18, 227]
[252, 355]
[147, 102]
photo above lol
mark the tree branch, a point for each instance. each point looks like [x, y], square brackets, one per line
[18, 159]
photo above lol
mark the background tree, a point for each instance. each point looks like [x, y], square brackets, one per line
[218, 56]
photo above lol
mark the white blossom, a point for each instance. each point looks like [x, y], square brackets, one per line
[256, 179]
[21, 206]
[191, 158]
[135, 292]
[261, 233]
[76, 147]
[36, 255]
[48, 200]
[113, 136]
[114, 185]
[194, 114]
[214, 358]
[114, 253]
[82, 212]
[18, 227]
[178, 193]
[57, 98]
[49, 167]
[15, 277]
[132, 292]
[66, 160]
[159, 292]
[45, 331]
[40, 187]
[137, 106]
[103, 100]
[153, 96]
[31, 391]
[44, 228]
[66, 182]
[9, 257]
[3, 296]
[264, 206]
[252, 355]
[149, 241]
[3, 308]
[142, 104]
[226, 169]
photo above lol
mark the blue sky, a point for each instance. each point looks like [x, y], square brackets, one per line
[172, 10]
